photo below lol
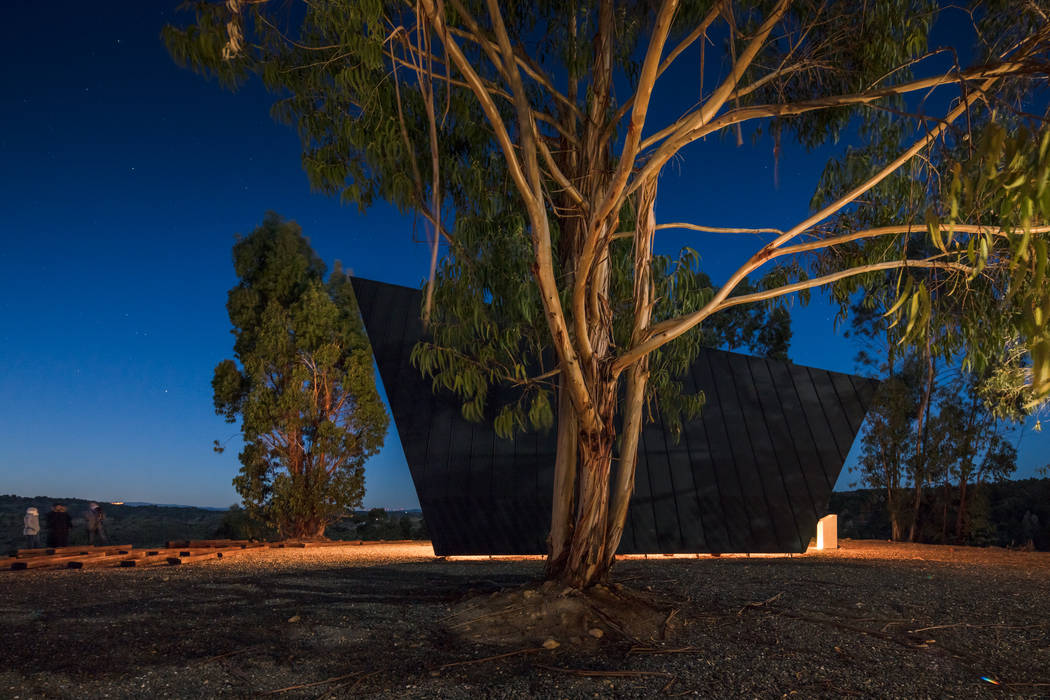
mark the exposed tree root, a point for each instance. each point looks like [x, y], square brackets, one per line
[550, 614]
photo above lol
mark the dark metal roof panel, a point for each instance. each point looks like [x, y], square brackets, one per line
[752, 474]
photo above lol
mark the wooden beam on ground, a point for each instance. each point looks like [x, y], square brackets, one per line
[234, 551]
[175, 561]
[60, 551]
[145, 559]
[45, 562]
[107, 558]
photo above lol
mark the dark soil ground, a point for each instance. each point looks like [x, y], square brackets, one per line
[868, 620]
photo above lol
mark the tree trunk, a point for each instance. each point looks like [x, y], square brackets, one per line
[586, 563]
[913, 528]
[623, 488]
[564, 483]
[960, 519]
[638, 374]
[896, 530]
[922, 423]
[894, 496]
[944, 514]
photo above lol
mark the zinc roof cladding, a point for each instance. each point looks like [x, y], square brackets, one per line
[752, 474]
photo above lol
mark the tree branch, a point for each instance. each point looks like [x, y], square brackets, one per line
[708, 20]
[703, 229]
[644, 92]
[671, 329]
[476, 35]
[714, 104]
[890, 230]
[929, 263]
[694, 126]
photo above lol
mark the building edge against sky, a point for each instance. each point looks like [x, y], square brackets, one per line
[752, 474]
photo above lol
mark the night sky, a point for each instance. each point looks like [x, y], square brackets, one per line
[124, 180]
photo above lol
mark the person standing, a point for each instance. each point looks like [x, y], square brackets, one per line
[93, 518]
[58, 526]
[31, 527]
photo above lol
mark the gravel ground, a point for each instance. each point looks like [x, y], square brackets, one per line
[870, 619]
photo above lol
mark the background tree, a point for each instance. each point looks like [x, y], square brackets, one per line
[885, 448]
[932, 421]
[302, 384]
[534, 118]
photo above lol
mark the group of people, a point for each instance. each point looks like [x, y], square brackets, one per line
[59, 524]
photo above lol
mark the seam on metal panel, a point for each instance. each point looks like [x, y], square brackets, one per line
[736, 465]
[776, 451]
[794, 442]
[751, 447]
[727, 539]
[827, 419]
[692, 471]
[809, 427]
[842, 405]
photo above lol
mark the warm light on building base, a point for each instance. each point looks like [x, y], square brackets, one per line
[828, 532]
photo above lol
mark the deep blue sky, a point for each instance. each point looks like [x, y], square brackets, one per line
[123, 182]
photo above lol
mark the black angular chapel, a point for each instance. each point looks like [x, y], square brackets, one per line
[752, 474]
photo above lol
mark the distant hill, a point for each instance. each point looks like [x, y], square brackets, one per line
[140, 525]
[170, 505]
[151, 524]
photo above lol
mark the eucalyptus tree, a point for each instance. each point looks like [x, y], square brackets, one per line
[534, 118]
[302, 384]
[974, 442]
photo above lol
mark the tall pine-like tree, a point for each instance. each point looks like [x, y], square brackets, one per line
[302, 384]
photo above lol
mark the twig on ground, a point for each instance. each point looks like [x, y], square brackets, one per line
[331, 692]
[611, 621]
[760, 604]
[497, 613]
[235, 652]
[658, 650]
[970, 626]
[310, 685]
[670, 616]
[237, 673]
[530, 650]
[589, 673]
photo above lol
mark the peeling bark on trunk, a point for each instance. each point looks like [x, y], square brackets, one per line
[638, 374]
[564, 481]
[585, 564]
[623, 488]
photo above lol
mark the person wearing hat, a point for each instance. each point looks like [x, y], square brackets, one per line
[31, 528]
[93, 518]
[58, 525]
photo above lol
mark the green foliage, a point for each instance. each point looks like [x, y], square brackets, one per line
[960, 442]
[1004, 514]
[528, 187]
[237, 524]
[346, 82]
[302, 384]
[490, 340]
[378, 524]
